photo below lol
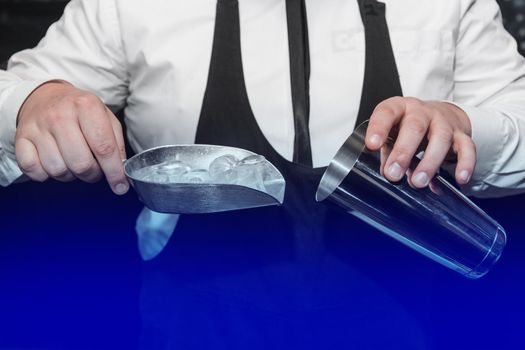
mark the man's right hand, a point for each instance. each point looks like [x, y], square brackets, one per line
[67, 133]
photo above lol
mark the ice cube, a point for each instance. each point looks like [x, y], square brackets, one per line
[227, 177]
[169, 171]
[196, 176]
[174, 178]
[275, 187]
[146, 174]
[172, 167]
[249, 175]
[272, 181]
[252, 160]
[221, 165]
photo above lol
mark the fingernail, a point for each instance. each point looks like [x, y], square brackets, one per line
[464, 176]
[420, 179]
[121, 188]
[395, 171]
[374, 140]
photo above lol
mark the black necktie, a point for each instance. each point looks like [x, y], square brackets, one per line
[299, 76]
[381, 79]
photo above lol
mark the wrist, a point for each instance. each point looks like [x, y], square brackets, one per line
[43, 90]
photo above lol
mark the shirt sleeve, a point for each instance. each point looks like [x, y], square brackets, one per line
[490, 88]
[84, 48]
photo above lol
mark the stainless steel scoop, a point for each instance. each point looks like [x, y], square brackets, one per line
[190, 198]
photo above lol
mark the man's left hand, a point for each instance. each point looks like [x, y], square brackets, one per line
[443, 127]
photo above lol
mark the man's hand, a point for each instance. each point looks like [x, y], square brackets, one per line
[443, 127]
[66, 133]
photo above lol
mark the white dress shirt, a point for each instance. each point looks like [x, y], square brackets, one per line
[152, 58]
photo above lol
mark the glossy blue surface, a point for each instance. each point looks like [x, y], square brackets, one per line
[71, 277]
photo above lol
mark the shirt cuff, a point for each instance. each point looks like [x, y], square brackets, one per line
[9, 170]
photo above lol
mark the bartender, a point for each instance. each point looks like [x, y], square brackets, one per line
[287, 79]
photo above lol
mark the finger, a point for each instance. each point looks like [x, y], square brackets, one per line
[440, 141]
[435, 187]
[51, 159]
[385, 116]
[412, 131]
[466, 151]
[28, 161]
[119, 134]
[76, 152]
[384, 153]
[409, 174]
[98, 132]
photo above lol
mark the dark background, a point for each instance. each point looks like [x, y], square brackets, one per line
[78, 239]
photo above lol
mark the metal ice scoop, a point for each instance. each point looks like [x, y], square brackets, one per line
[205, 197]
